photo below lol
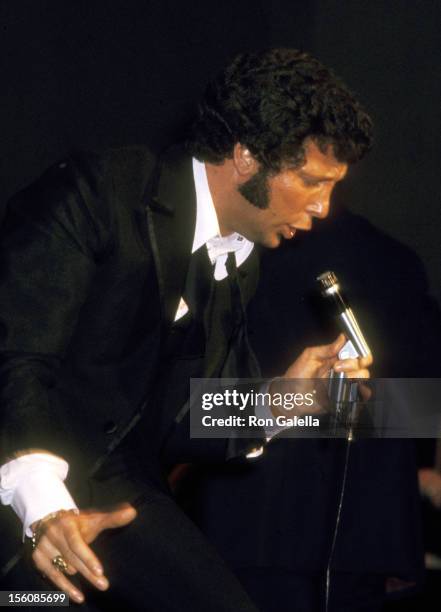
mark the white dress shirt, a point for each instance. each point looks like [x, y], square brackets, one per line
[33, 484]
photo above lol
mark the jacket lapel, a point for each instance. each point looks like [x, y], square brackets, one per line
[171, 215]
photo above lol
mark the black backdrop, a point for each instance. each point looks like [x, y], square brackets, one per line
[94, 73]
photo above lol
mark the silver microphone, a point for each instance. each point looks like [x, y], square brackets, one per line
[342, 391]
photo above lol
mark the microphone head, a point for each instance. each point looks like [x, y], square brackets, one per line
[328, 282]
[330, 289]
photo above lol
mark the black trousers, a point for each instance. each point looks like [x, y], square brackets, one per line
[161, 562]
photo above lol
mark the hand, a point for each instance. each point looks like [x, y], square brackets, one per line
[68, 535]
[317, 362]
[430, 485]
[313, 363]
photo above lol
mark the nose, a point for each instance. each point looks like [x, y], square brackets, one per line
[325, 207]
[320, 207]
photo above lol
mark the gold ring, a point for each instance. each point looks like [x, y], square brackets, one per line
[59, 563]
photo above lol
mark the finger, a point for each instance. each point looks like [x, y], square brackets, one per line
[116, 518]
[367, 361]
[328, 365]
[82, 557]
[359, 374]
[365, 392]
[100, 582]
[50, 551]
[364, 374]
[44, 565]
[347, 365]
[326, 351]
[65, 535]
[325, 369]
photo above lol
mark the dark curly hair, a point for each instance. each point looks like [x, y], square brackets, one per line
[271, 101]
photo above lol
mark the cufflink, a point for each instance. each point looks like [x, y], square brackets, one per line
[255, 452]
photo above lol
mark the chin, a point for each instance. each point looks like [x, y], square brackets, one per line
[271, 242]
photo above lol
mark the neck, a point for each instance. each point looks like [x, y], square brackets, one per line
[221, 181]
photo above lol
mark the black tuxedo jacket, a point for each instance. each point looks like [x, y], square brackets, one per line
[93, 262]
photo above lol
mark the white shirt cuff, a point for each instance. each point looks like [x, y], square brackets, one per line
[33, 485]
[262, 410]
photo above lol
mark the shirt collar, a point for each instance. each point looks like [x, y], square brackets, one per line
[207, 231]
[207, 224]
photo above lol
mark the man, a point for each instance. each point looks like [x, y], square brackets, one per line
[118, 286]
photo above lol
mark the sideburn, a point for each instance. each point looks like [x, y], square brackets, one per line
[256, 189]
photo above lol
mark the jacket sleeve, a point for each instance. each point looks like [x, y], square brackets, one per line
[49, 242]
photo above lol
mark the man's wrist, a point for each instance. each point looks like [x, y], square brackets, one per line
[38, 527]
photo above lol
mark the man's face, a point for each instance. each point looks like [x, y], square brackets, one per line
[295, 197]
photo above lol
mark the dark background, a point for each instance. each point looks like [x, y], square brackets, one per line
[97, 73]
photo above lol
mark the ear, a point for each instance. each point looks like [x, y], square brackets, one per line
[245, 164]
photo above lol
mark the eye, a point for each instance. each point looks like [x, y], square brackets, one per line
[311, 182]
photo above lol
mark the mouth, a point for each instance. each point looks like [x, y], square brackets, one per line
[288, 232]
